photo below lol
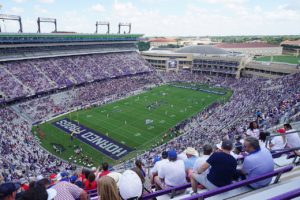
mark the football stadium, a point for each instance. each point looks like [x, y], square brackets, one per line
[90, 116]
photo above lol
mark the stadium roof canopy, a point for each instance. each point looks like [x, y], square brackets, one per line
[162, 40]
[245, 45]
[23, 38]
[291, 43]
[202, 49]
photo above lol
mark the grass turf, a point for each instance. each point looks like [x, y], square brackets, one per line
[283, 59]
[174, 105]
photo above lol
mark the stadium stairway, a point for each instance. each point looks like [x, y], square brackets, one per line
[45, 76]
[158, 73]
[61, 97]
[68, 76]
[17, 80]
[26, 117]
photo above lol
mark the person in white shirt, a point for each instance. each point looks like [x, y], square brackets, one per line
[182, 155]
[253, 130]
[207, 150]
[292, 139]
[172, 173]
[278, 142]
[158, 164]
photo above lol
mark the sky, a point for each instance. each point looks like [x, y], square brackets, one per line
[160, 17]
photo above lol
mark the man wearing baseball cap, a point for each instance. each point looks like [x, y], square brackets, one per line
[278, 142]
[158, 164]
[8, 191]
[172, 173]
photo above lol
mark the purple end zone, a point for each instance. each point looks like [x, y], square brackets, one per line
[102, 143]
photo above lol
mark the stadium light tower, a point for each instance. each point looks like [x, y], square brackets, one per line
[12, 17]
[102, 24]
[124, 24]
[49, 20]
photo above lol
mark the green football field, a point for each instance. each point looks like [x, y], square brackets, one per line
[283, 59]
[124, 121]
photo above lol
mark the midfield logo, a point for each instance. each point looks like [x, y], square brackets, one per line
[102, 143]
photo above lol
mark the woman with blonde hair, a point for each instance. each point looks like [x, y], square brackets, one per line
[107, 189]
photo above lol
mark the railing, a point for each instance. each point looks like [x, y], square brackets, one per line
[269, 138]
[288, 195]
[236, 185]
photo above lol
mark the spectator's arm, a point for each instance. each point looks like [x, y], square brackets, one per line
[246, 167]
[161, 172]
[271, 145]
[154, 174]
[203, 168]
[83, 195]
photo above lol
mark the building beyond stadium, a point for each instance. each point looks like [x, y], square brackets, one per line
[211, 60]
[252, 48]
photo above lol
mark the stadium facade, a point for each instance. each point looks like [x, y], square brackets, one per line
[26, 46]
[38, 53]
[211, 60]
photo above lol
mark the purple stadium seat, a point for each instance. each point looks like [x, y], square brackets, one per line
[289, 195]
[166, 191]
[239, 184]
[92, 193]
[220, 190]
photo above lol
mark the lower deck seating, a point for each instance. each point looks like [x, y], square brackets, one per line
[222, 192]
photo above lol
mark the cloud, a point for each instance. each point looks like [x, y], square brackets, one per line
[225, 2]
[19, 1]
[72, 20]
[292, 5]
[200, 17]
[98, 8]
[46, 1]
[124, 9]
[283, 14]
[39, 10]
[16, 11]
[257, 9]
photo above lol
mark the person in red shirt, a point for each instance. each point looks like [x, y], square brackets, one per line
[105, 170]
[90, 184]
[24, 184]
[53, 179]
[84, 175]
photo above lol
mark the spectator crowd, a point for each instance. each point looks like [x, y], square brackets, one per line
[210, 142]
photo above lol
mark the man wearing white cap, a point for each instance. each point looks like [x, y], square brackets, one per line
[189, 162]
[130, 186]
